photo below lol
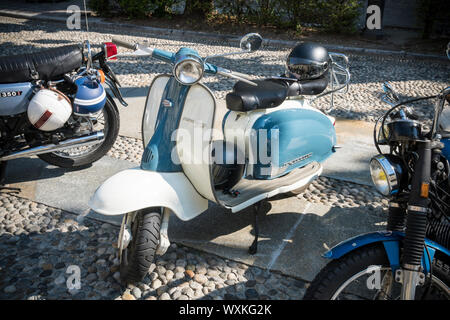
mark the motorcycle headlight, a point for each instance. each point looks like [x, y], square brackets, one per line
[188, 70]
[387, 174]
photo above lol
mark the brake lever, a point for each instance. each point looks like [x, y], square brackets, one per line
[235, 75]
[141, 51]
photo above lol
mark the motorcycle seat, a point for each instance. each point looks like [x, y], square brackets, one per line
[245, 97]
[44, 65]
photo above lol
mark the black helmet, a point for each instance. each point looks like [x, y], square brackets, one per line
[307, 61]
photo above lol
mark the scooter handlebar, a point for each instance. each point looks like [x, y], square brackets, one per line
[168, 57]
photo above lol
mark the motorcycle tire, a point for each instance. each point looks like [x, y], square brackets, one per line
[111, 134]
[138, 256]
[335, 274]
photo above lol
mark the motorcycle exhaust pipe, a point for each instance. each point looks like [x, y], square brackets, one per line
[91, 139]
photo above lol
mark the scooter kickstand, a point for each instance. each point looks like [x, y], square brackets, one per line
[254, 247]
[3, 177]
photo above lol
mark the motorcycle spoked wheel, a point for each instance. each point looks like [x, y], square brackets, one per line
[82, 156]
[138, 256]
[347, 278]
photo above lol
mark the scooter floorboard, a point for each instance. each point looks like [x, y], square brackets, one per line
[252, 190]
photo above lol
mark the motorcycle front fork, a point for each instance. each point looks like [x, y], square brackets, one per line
[410, 274]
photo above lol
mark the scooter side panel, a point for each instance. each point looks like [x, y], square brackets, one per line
[289, 139]
[14, 98]
[136, 189]
[194, 136]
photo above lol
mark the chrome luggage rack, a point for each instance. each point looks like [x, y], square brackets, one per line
[339, 77]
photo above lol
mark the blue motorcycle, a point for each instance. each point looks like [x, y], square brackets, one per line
[410, 260]
[271, 141]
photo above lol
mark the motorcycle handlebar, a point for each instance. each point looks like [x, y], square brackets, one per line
[125, 44]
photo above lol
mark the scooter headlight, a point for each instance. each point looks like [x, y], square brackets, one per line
[387, 174]
[188, 70]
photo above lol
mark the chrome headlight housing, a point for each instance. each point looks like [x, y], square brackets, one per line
[388, 174]
[189, 69]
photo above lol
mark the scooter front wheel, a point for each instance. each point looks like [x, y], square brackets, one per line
[138, 256]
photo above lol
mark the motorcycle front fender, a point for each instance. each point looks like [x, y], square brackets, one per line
[391, 241]
[136, 189]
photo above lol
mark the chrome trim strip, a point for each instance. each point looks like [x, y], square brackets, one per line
[418, 209]
[394, 205]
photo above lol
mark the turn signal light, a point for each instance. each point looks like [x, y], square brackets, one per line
[424, 189]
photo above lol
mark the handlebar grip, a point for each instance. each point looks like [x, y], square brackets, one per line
[125, 44]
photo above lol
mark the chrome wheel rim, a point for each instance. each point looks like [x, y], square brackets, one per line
[389, 289]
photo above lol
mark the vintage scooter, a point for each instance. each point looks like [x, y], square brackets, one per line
[273, 142]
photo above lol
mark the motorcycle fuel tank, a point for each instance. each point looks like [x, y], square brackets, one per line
[282, 139]
[14, 97]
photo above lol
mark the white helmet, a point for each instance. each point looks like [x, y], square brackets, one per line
[49, 110]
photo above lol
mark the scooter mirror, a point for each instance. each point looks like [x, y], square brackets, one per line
[251, 42]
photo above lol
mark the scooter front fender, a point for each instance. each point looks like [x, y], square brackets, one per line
[391, 241]
[135, 189]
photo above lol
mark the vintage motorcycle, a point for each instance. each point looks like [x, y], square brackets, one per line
[273, 142]
[53, 104]
[411, 259]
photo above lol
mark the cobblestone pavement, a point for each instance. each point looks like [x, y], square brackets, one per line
[411, 77]
[39, 245]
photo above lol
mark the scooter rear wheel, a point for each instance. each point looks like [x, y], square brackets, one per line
[138, 256]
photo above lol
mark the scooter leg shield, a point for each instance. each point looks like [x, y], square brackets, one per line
[135, 189]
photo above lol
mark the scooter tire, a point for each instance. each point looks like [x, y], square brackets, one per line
[140, 253]
[338, 271]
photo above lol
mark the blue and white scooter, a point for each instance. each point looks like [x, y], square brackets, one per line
[273, 142]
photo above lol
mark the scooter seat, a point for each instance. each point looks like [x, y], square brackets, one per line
[44, 65]
[307, 87]
[246, 97]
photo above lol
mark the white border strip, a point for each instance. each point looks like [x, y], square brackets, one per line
[83, 102]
